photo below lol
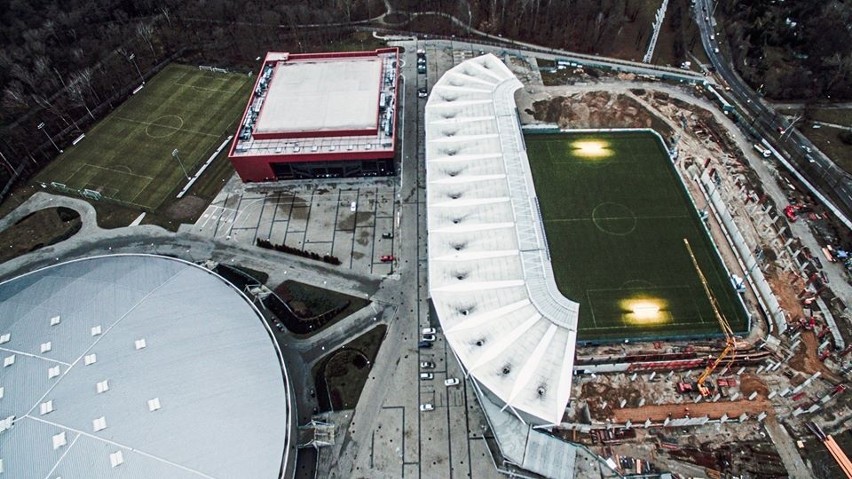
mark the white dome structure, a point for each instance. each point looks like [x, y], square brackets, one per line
[490, 277]
[138, 366]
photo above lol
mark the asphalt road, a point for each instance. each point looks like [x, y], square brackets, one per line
[768, 124]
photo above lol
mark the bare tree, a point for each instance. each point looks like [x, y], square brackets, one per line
[85, 76]
[146, 31]
[76, 90]
[14, 97]
[166, 14]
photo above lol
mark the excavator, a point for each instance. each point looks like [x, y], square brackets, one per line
[730, 350]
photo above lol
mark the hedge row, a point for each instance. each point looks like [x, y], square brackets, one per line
[296, 251]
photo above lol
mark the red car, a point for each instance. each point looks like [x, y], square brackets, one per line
[387, 258]
[790, 212]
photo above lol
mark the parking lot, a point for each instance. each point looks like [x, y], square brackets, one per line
[353, 220]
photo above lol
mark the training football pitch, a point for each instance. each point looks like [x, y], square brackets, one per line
[615, 214]
[128, 156]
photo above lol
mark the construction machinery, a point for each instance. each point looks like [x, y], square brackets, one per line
[729, 352]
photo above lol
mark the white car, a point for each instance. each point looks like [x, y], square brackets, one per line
[428, 337]
[426, 376]
[427, 407]
[428, 331]
[427, 364]
[451, 382]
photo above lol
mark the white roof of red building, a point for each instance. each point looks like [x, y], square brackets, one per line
[322, 95]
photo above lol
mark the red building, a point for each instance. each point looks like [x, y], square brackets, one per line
[319, 115]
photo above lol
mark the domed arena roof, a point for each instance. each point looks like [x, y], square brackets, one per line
[138, 366]
[490, 276]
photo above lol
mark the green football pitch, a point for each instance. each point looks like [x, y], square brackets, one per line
[128, 155]
[615, 214]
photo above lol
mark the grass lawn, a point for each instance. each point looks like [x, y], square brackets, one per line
[615, 214]
[37, 230]
[127, 157]
[340, 376]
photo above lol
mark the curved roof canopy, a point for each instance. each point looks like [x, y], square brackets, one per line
[137, 367]
[489, 268]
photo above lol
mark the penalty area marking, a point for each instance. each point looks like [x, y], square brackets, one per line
[201, 88]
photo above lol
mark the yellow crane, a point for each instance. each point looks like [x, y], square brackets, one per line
[730, 343]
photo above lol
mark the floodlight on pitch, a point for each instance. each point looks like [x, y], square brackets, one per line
[591, 148]
[645, 311]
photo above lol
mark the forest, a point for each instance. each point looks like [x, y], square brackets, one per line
[66, 64]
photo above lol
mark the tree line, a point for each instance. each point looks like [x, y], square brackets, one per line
[794, 50]
[64, 64]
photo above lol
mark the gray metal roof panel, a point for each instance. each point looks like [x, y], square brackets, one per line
[208, 359]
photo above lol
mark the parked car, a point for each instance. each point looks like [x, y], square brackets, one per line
[428, 331]
[427, 407]
[428, 338]
[427, 364]
[387, 235]
[451, 382]
[422, 92]
[387, 258]
[424, 344]
[427, 376]
[421, 68]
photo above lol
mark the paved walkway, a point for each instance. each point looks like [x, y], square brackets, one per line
[787, 450]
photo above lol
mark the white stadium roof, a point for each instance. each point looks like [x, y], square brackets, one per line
[137, 367]
[489, 267]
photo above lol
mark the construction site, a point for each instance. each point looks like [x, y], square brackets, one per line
[771, 403]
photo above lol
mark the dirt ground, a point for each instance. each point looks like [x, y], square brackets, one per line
[713, 410]
[749, 383]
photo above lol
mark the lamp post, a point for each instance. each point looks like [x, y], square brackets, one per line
[132, 59]
[42, 128]
[176, 156]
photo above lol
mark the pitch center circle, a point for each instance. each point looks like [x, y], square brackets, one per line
[614, 219]
[166, 125]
